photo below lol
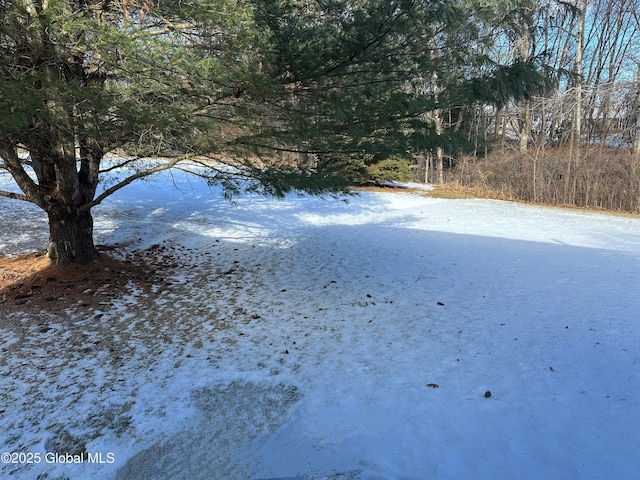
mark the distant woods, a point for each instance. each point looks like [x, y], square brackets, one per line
[576, 144]
[599, 178]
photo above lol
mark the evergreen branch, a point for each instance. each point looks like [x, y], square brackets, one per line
[218, 172]
[313, 151]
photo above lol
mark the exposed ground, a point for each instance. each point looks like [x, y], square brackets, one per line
[32, 282]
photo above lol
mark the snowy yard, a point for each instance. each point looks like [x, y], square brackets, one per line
[395, 336]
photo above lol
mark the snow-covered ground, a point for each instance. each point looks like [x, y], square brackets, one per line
[319, 339]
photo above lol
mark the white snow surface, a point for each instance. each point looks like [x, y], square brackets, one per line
[312, 338]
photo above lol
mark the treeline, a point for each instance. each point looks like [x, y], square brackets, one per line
[598, 178]
[576, 144]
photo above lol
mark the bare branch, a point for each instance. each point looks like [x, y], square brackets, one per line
[14, 166]
[120, 165]
[136, 176]
[14, 195]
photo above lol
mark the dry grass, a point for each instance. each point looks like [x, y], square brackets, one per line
[449, 191]
[598, 178]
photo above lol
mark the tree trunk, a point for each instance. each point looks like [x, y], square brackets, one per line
[439, 124]
[577, 115]
[71, 237]
[524, 126]
[440, 165]
[636, 126]
[636, 137]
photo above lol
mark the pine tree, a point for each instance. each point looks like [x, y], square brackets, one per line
[252, 83]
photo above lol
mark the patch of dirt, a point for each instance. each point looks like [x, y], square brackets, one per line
[31, 282]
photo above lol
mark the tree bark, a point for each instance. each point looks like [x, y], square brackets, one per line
[440, 165]
[71, 237]
[636, 137]
[524, 124]
[636, 125]
[65, 194]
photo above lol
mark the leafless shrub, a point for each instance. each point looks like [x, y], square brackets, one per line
[595, 177]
